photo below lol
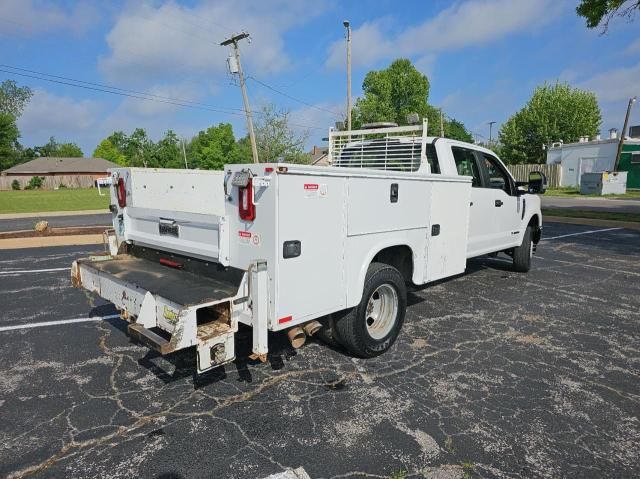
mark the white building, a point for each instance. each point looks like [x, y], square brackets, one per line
[585, 156]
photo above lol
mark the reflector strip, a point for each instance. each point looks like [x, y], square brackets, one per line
[286, 319]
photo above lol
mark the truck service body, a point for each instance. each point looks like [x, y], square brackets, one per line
[278, 246]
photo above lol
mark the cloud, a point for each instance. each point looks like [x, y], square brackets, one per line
[633, 48]
[368, 44]
[32, 17]
[465, 24]
[182, 93]
[52, 115]
[613, 89]
[150, 39]
[614, 85]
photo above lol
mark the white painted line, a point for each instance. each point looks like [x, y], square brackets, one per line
[24, 271]
[57, 323]
[581, 233]
[583, 265]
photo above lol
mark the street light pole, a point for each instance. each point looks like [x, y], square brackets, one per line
[347, 25]
[624, 132]
[491, 123]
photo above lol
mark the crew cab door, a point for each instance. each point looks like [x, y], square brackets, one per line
[501, 190]
[483, 224]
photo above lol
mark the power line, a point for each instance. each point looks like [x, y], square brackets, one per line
[292, 97]
[126, 90]
[133, 94]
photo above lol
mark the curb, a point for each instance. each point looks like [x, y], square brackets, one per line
[632, 225]
[15, 216]
[45, 241]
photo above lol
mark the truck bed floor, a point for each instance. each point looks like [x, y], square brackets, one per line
[179, 286]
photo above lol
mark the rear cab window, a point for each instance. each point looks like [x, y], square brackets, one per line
[466, 165]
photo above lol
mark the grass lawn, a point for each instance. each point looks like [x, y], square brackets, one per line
[574, 192]
[598, 215]
[64, 199]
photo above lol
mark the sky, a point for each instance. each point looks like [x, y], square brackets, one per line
[483, 59]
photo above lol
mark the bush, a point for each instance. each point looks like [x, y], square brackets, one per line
[15, 185]
[34, 183]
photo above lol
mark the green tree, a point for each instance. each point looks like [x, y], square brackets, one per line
[214, 147]
[9, 135]
[276, 140]
[600, 12]
[167, 153]
[59, 150]
[13, 98]
[554, 112]
[107, 151]
[69, 150]
[395, 92]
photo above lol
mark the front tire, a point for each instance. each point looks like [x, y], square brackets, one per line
[522, 254]
[372, 327]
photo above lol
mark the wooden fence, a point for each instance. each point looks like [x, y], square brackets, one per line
[552, 172]
[50, 182]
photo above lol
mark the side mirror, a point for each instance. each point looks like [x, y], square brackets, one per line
[537, 182]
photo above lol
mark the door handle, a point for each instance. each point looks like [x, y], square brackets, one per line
[498, 202]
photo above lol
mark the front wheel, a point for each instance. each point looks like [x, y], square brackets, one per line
[372, 327]
[522, 254]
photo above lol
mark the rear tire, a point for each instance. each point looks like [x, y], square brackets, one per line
[522, 254]
[372, 327]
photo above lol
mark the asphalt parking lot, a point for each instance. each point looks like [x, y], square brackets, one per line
[496, 374]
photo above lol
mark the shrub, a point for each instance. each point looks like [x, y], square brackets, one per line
[15, 185]
[34, 183]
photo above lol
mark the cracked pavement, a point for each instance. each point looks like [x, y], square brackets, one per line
[496, 374]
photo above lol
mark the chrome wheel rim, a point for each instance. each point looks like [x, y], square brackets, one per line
[381, 312]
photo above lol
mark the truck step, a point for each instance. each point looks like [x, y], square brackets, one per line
[151, 339]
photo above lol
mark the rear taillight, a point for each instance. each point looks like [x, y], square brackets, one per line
[121, 192]
[246, 207]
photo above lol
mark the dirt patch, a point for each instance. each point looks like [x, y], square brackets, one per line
[73, 231]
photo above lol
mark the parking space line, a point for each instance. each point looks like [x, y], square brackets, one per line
[573, 263]
[581, 233]
[24, 271]
[57, 323]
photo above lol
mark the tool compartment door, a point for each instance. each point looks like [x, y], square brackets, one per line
[448, 230]
[311, 211]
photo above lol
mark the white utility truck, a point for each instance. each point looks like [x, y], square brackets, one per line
[303, 248]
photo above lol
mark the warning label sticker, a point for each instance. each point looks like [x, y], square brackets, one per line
[244, 237]
[315, 190]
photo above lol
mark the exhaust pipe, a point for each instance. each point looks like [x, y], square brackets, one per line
[312, 327]
[296, 337]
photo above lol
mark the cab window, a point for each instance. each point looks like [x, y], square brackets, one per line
[466, 165]
[497, 177]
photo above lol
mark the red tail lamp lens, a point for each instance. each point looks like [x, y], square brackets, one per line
[246, 207]
[122, 193]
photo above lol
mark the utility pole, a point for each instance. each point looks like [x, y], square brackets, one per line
[184, 154]
[624, 132]
[347, 25]
[233, 41]
[491, 123]
[441, 124]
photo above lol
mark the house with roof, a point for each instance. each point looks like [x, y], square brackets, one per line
[68, 172]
